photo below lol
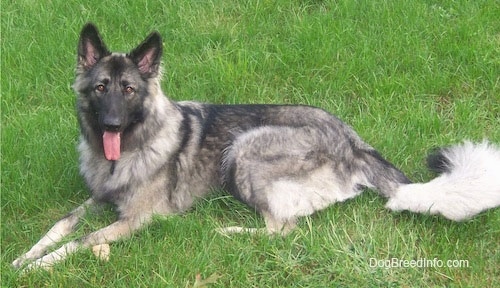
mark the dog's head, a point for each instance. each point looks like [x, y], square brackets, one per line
[113, 86]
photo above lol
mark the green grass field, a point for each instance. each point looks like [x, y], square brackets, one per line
[408, 75]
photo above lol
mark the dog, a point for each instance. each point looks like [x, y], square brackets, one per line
[148, 155]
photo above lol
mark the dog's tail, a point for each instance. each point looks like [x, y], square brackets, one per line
[469, 183]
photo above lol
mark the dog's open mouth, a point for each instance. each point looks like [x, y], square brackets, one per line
[111, 143]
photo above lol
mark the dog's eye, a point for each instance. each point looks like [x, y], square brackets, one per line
[100, 88]
[129, 90]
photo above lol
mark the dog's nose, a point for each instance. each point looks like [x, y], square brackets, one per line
[112, 123]
[112, 128]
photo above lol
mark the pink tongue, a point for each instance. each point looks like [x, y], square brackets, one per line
[111, 142]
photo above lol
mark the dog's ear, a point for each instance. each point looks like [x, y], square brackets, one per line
[91, 48]
[147, 56]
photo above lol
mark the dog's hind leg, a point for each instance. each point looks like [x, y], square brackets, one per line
[282, 176]
[226, 231]
[277, 226]
[61, 229]
[273, 227]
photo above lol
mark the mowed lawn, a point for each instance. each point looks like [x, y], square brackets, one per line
[408, 75]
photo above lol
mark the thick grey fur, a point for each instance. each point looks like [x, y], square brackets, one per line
[284, 161]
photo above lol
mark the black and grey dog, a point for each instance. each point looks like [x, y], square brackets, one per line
[149, 155]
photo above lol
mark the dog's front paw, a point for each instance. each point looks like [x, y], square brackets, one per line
[19, 262]
[26, 264]
[34, 253]
[38, 264]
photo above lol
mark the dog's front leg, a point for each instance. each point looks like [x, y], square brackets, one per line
[119, 229]
[61, 229]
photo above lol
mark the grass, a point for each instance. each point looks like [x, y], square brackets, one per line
[407, 75]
